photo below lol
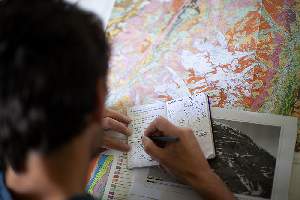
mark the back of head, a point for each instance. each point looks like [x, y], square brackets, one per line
[52, 54]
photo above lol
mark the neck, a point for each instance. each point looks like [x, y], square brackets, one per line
[58, 176]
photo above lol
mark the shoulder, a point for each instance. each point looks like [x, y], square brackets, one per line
[4, 193]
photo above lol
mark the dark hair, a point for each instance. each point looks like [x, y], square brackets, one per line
[52, 55]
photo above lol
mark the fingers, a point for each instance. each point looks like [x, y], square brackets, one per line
[153, 150]
[117, 116]
[161, 124]
[111, 143]
[112, 124]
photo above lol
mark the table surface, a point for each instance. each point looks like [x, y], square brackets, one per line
[243, 55]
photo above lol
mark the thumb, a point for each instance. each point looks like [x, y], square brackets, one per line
[151, 148]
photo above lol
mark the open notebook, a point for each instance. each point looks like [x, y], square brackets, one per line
[192, 112]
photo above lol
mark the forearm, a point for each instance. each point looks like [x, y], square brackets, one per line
[210, 187]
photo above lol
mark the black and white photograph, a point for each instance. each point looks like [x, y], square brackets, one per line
[246, 156]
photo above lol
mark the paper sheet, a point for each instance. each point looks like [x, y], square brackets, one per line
[141, 117]
[191, 112]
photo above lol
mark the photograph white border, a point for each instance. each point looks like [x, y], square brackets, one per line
[287, 140]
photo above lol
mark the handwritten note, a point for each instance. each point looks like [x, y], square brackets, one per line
[141, 117]
[192, 112]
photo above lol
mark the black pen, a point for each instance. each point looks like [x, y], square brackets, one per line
[164, 138]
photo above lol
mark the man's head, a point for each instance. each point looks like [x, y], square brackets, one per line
[53, 57]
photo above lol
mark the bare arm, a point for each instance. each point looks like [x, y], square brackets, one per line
[185, 160]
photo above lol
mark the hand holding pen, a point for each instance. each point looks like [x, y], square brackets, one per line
[182, 156]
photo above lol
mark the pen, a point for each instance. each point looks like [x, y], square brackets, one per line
[164, 138]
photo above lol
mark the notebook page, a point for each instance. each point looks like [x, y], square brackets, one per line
[141, 117]
[193, 112]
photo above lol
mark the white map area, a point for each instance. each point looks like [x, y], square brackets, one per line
[208, 59]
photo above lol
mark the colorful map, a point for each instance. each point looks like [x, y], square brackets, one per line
[243, 54]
